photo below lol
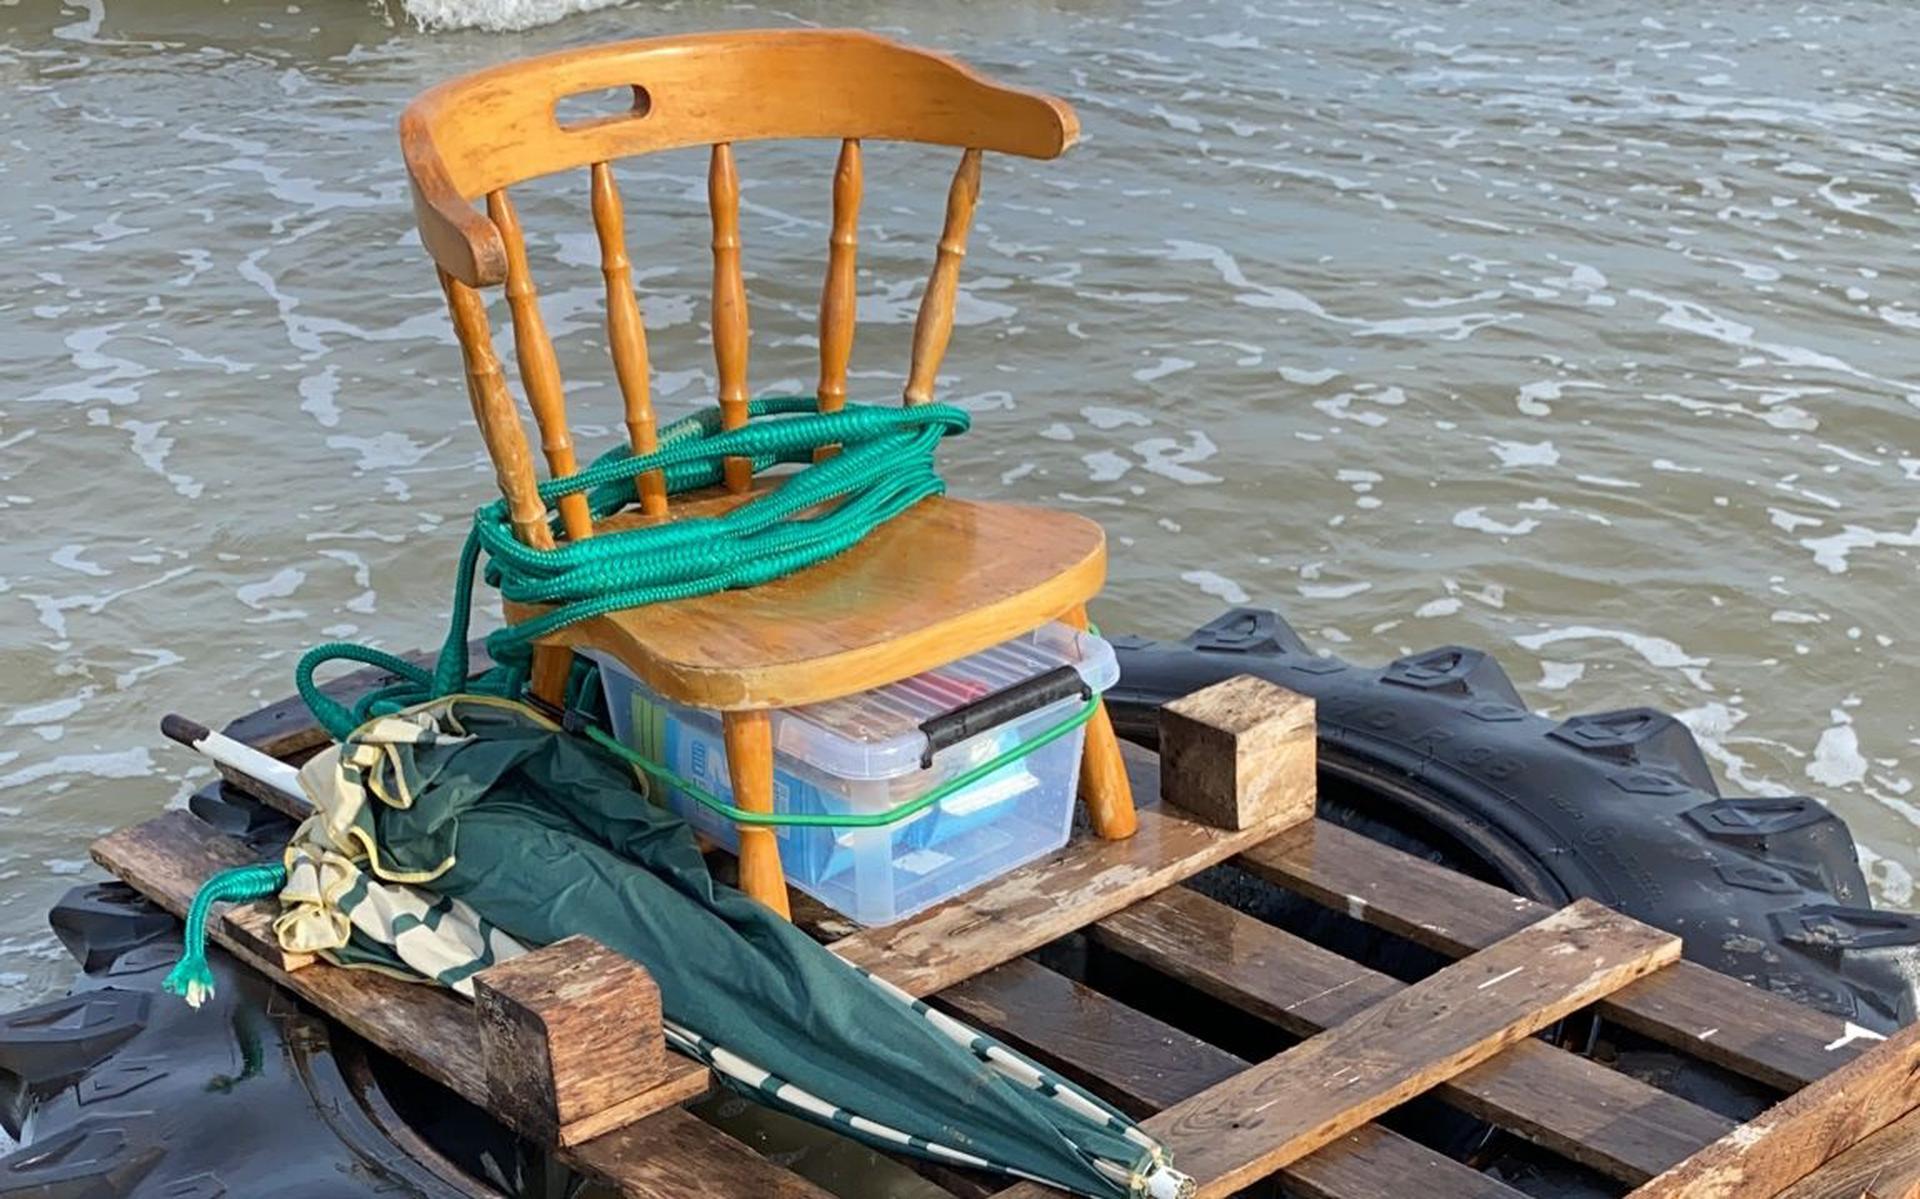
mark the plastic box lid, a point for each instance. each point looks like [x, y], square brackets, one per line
[876, 734]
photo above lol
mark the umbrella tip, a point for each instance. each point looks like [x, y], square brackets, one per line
[1165, 1182]
[176, 727]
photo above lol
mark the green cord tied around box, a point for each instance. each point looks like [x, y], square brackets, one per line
[885, 466]
[893, 815]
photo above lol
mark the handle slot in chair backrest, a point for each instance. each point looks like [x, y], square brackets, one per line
[476, 136]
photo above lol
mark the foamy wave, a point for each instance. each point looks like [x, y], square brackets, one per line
[496, 16]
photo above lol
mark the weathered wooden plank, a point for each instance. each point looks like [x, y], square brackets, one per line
[1572, 1105]
[1709, 1015]
[1130, 1059]
[1323, 1088]
[1885, 1165]
[1783, 1144]
[674, 1155]
[168, 857]
[1142, 1065]
[1047, 899]
[434, 1032]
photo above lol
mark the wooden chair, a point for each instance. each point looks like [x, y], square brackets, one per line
[946, 578]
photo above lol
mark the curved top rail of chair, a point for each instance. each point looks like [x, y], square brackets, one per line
[480, 132]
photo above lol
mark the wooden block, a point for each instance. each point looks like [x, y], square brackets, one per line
[1239, 754]
[1276, 1113]
[566, 1033]
[1783, 1144]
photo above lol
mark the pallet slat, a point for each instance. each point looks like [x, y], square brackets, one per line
[1143, 1065]
[1045, 900]
[1574, 1106]
[1281, 1110]
[1885, 1165]
[1711, 1016]
[1783, 1144]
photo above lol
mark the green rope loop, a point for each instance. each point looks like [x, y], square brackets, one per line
[191, 977]
[885, 466]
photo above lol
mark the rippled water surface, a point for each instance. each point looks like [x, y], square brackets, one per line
[1578, 333]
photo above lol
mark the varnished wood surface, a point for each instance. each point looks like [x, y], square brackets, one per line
[837, 292]
[933, 326]
[1244, 1129]
[942, 580]
[1142, 1065]
[1044, 900]
[1783, 1144]
[1577, 1107]
[1709, 1015]
[1885, 1165]
[1104, 787]
[749, 742]
[539, 368]
[729, 315]
[627, 336]
[497, 127]
[494, 411]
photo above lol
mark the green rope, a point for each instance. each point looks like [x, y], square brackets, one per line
[192, 977]
[893, 815]
[885, 466]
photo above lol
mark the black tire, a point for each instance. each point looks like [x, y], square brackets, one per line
[1438, 752]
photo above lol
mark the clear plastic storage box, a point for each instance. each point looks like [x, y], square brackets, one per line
[880, 749]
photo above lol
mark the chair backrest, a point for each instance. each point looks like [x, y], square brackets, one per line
[473, 137]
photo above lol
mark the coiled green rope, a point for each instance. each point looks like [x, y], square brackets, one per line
[885, 465]
[191, 977]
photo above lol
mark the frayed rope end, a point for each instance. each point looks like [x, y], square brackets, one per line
[192, 980]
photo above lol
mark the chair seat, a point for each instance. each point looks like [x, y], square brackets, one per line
[944, 579]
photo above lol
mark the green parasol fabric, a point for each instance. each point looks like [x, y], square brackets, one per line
[525, 835]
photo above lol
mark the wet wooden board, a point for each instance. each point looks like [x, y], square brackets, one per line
[1708, 1015]
[1885, 1165]
[674, 1155]
[1142, 1065]
[1576, 1107]
[1047, 899]
[429, 1029]
[1786, 1142]
[1277, 1112]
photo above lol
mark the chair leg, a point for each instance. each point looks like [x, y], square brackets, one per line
[1103, 773]
[552, 664]
[749, 738]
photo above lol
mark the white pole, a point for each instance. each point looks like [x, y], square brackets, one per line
[244, 758]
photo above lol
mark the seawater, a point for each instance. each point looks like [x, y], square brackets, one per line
[1586, 335]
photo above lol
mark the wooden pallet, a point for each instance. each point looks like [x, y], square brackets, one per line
[1370, 1042]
